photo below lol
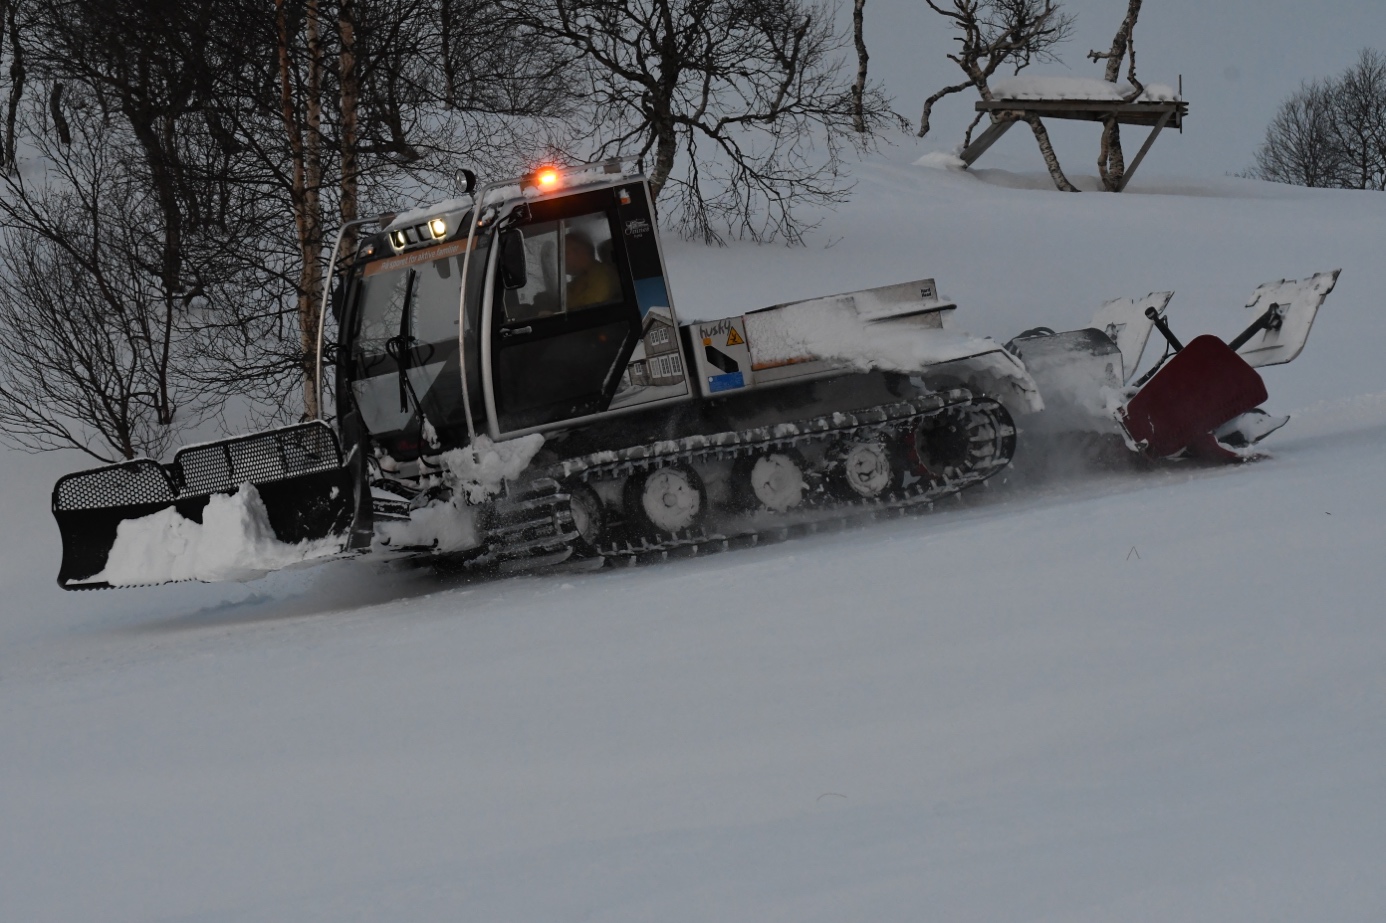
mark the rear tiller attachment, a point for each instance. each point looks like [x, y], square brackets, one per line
[1201, 399]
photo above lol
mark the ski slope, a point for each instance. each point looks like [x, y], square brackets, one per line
[1127, 696]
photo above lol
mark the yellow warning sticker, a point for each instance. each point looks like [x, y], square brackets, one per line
[734, 338]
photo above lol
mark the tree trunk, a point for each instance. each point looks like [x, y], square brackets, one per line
[164, 179]
[55, 109]
[305, 152]
[310, 274]
[16, 84]
[666, 146]
[445, 41]
[859, 87]
[1121, 41]
[350, 98]
[1111, 163]
[1047, 150]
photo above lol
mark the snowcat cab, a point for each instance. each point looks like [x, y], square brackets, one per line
[565, 292]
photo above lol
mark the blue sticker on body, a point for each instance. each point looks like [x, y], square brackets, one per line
[729, 382]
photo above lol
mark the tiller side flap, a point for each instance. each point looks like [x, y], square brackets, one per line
[1126, 323]
[1284, 313]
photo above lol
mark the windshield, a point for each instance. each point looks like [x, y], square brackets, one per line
[405, 332]
[382, 304]
[414, 296]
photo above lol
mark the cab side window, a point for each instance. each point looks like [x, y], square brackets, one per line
[589, 270]
[571, 269]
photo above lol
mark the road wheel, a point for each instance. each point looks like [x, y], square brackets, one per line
[864, 469]
[667, 500]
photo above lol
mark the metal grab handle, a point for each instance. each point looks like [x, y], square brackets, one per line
[515, 331]
[322, 308]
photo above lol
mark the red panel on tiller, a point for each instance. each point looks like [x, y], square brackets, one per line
[1202, 387]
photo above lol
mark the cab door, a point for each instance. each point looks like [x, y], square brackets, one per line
[560, 344]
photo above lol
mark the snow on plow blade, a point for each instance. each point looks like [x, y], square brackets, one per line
[296, 472]
[1200, 388]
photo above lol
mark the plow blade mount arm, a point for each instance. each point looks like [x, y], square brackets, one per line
[302, 495]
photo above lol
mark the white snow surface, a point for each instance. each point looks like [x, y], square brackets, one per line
[1083, 88]
[234, 541]
[1133, 696]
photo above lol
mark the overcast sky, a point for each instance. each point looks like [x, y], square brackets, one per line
[1239, 59]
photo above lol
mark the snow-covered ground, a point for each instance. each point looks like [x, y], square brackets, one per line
[1149, 696]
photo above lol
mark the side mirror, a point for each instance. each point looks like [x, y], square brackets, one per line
[513, 271]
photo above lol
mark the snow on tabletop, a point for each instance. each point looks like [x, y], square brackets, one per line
[234, 541]
[1092, 88]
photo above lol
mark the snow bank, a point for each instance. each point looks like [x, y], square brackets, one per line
[473, 475]
[1077, 88]
[941, 160]
[1151, 696]
[234, 541]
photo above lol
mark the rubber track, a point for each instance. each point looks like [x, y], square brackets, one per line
[991, 436]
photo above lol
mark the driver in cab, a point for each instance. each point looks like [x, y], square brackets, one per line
[590, 281]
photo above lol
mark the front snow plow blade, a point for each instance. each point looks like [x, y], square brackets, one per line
[1200, 388]
[302, 494]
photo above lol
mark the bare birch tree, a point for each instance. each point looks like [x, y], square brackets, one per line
[1359, 121]
[300, 102]
[1002, 33]
[1331, 133]
[741, 106]
[859, 85]
[10, 42]
[92, 347]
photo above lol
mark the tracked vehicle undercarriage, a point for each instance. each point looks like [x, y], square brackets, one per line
[708, 492]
